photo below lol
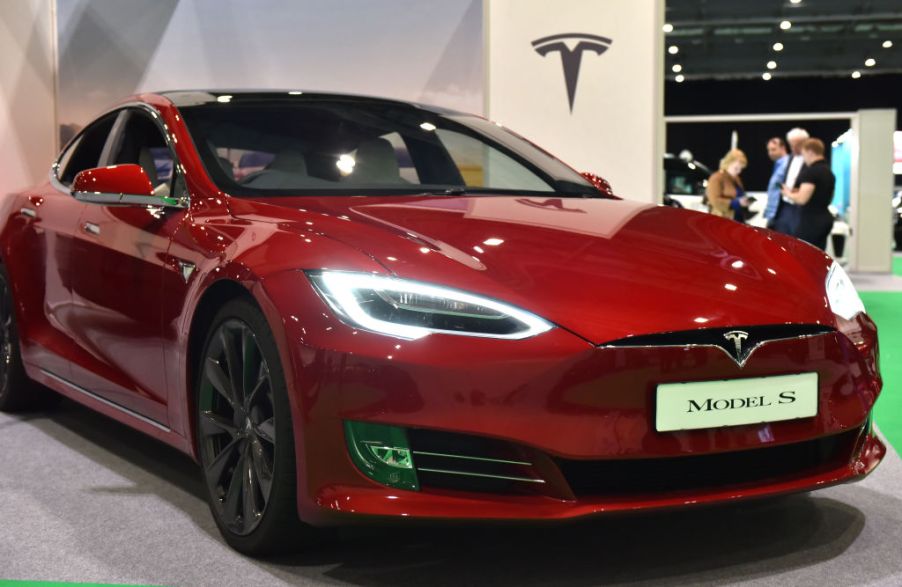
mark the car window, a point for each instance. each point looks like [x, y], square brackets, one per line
[84, 152]
[355, 146]
[142, 143]
[681, 184]
[480, 165]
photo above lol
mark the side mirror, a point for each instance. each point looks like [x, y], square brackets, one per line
[125, 184]
[600, 184]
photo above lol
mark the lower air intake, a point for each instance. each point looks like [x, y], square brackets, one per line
[637, 476]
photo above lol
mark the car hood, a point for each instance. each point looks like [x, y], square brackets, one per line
[604, 269]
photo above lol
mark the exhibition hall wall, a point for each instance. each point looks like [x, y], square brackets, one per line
[27, 129]
[421, 51]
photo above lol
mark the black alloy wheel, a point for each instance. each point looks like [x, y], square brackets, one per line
[237, 426]
[244, 434]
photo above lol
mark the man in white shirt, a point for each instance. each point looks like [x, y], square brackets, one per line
[786, 219]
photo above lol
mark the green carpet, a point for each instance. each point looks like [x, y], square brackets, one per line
[886, 310]
[8, 583]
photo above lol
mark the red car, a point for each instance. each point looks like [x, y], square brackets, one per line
[412, 312]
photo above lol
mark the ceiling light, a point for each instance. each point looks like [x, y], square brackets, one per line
[795, 1]
[766, 76]
[772, 65]
[225, 99]
[785, 25]
[673, 49]
[856, 74]
[887, 44]
[668, 28]
[428, 126]
[677, 68]
[679, 79]
[778, 46]
[870, 62]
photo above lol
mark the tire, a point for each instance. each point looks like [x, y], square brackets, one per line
[243, 424]
[18, 393]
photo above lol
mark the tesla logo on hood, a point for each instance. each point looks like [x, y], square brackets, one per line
[571, 54]
[737, 337]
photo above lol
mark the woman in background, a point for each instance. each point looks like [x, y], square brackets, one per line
[813, 195]
[725, 192]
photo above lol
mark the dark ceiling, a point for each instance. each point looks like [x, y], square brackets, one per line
[733, 39]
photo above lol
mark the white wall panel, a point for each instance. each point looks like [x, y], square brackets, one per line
[872, 178]
[27, 128]
[408, 49]
[615, 128]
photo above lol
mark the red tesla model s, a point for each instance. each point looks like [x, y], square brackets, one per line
[409, 311]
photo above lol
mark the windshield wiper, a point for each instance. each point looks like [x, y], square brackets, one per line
[451, 191]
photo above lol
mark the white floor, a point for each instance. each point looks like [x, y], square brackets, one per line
[85, 499]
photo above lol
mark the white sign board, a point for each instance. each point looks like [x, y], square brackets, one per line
[583, 79]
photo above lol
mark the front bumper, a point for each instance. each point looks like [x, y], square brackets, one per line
[578, 411]
[865, 454]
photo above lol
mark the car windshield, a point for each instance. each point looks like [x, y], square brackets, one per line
[356, 146]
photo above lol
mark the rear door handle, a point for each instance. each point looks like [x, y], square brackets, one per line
[91, 228]
[28, 212]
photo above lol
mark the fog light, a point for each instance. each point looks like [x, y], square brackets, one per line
[382, 453]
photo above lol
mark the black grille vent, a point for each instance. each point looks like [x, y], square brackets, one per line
[637, 476]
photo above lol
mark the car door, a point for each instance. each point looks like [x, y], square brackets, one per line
[121, 252]
[41, 257]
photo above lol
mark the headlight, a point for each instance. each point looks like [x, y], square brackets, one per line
[410, 309]
[841, 294]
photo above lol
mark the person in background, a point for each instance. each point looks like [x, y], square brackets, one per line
[816, 183]
[725, 193]
[786, 218]
[776, 150]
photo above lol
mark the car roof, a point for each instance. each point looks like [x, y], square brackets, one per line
[183, 98]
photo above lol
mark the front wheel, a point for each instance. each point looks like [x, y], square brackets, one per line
[246, 443]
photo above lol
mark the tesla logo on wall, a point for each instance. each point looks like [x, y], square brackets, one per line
[571, 46]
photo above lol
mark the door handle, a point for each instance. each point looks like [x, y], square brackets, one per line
[28, 212]
[91, 228]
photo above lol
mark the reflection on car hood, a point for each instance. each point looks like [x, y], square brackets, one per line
[604, 269]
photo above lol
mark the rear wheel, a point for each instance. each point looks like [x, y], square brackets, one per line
[17, 391]
[245, 437]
